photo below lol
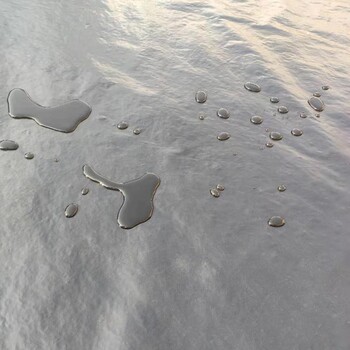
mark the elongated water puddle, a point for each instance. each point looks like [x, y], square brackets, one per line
[138, 196]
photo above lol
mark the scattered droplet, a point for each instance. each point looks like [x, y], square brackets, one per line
[256, 119]
[269, 144]
[63, 118]
[317, 115]
[29, 155]
[267, 129]
[224, 136]
[85, 191]
[274, 99]
[56, 160]
[215, 193]
[71, 210]
[296, 132]
[123, 125]
[8, 145]
[281, 188]
[201, 117]
[317, 94]
[201, 96]
[138, 196]
[137, 131]
[276, 221]
[303, 115]
[325, 87]
[220, 187]
[252, 87]
[282, 110]
[223, 113]
[276, 136]
[316, 103]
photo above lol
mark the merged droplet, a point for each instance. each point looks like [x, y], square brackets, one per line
[220, 187]
[281, 188]
[256, 119]
[252, 87]
[269, 144]
[223, 136]
[29, 155]
[215, 193]
[317, 94]
[223, 113]
[276, 136]
[296, 132]
[316, 103]
[123, 125]
[85, 191]
[8, 145]
[71, 210]
[201, 96]
[274, 99]
[282, 109]
[137, 131]
[325, 87]
[303, 115]
[276, 221]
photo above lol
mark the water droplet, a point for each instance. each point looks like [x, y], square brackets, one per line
[8, 145]
[224, 136]
[201, 96]
[137, 131]
[296, 132]
[85, 191]
[282, 110]
[325, 87]
[256, 119]
[71, 210]
[317, 94]
[269, 144]
[220, 187]
[56, 160]
[201, 117]
[138, 196]
[316, 103]
[215, 193]
[252, 87]
[274, 99]
[303, 115]
[63, 118]
[223, 113]
[122, 125]
[276, 136]
[281, 188]
[317, 115]
[276, 221]
[29, 155]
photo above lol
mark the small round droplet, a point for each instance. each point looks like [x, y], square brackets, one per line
[316, 103]
[201, 96]
[56, 160]
[8, 145]
[256, 119]
[325, 87]
[274, 99]
[269, 144]
[122, 125]
[276, 136]
[137, 131]
[223, 136]
[201, 117]
[276, 221]
[215, 193]
[317, 94]
[252, 87]
[303, 115]
[220, 187]
[29, 155]
[282, 110]
[71, 210]
[85, 191]
[281, 188]
[317, 115]
[223, 113]
[296, 132]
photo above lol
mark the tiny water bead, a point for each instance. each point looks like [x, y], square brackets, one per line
[223, 136]
[296, 132]
[325, 87]
[281, 188]
[220, 187]
[316, 103]
[252, 87]
[8, 145]
[201, 117]
[282, 110]
[276, 221]
[71, 210]
[303, 115]
[29, 155]
[85, 191]
[274, 99]
[276, 136]
[256, 119]
[122, 125]
[201, 96]
[137, 131]
[269, 144]
[215, 193]
[317, 94]
[223, 113]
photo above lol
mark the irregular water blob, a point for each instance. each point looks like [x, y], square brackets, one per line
[317, 94]
[137, 131]
[252, 87]
[215, 193]
[325, 87]
[8, 145]
[220, 187]
[274, 99]
[276, 221]
[281, 188]
[63, 118]
[303, 115]
[256, 119]
[29, 155]
[316, 103]
[122, 125]
[85, 191]
[201, 96]
[276, 136]
[138, 196]
[296, 132]
[71, 210]
[282, 109]
[223, 113]
[269, 144]
[223, 136]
